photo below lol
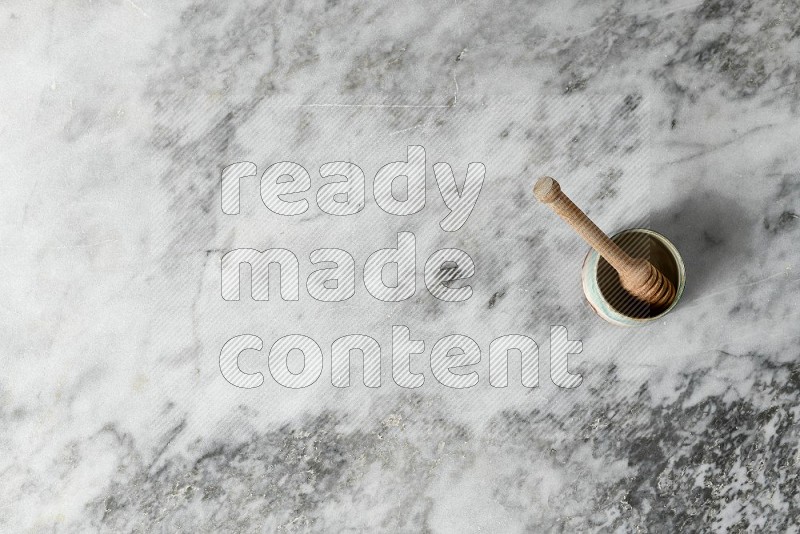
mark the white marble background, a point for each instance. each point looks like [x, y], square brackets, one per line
[116, 118]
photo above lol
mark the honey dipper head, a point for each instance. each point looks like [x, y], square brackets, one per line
[546, 189]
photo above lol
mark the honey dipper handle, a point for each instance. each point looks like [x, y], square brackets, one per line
[549, 192]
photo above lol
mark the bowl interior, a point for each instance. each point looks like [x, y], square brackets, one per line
[639, 244]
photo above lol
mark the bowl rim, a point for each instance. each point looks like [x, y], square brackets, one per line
[607, 312]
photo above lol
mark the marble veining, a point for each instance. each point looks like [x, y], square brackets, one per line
[116, 120]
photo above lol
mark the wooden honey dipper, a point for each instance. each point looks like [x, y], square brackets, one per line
[636, 275]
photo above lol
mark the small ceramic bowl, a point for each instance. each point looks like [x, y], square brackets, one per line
[601, 282]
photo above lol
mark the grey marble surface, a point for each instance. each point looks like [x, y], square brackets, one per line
[116, 120]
